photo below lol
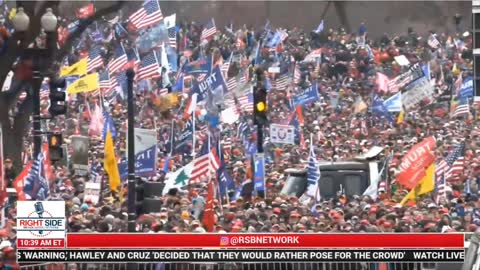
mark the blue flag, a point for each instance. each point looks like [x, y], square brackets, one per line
[108, 124]
[186, 135]
[226, 183]
[165, 164]
[308, 96]
[259, 172]
[379, 108]
[466, 90]
[211, 82]
[394, 103]
[145, 164]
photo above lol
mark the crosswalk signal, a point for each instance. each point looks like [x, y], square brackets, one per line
[55, 147]
[57, 98]
[260, 105]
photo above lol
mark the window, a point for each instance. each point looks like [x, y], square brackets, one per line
[327, 186]
[353, 184]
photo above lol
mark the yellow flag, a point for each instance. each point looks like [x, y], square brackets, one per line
[77, 69]
[455, 69]
[426, 185]
[84, 84]
[400, 117]
[12, 13]
[110, 163]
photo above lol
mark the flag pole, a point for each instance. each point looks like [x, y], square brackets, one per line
[171, 136]
[193, 132]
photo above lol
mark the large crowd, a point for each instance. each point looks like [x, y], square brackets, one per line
[346, 73]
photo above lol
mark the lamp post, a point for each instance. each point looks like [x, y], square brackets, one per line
[21, 22]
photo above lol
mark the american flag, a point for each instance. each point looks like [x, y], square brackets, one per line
[172, 37]
[232, 84]
[243, 79]
[205, 163]
[281, 82]
[283, 34]
[296, 74]
[94, 59]
[36, 184]
[441, 187]
[226, 66]
[209, 30]
[149, 14]
[462, 108]
[163, 91]
[106, 83]
[433, 42]
[246, 102]
[313, 174]
[149, 67]
[119, 60]
[227, 143]
[453, 164]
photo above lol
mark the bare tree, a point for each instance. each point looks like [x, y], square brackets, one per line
[15, 115]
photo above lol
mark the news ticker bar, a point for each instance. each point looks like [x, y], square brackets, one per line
[241, 255]
[116, 241]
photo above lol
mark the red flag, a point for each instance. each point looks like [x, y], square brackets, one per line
[415, 163]
[208, 213]
[85, 11]
[18, 183]
[301, 121]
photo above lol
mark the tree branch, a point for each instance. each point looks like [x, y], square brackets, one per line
[84, 24]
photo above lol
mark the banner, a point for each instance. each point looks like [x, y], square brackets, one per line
[308, 96]
[415, 163]
[282, 134]
[145, 154]
[466, 90]
[200, 66]
[313, 257]
[259, 172]
[79, 159]
[394, 103]
[212, 83]
[414, 73]
[92, 192]
[416, 93]
[84, 84]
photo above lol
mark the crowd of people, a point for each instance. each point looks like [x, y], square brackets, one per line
[340, 125]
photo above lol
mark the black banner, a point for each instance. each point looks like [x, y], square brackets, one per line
[258, 255]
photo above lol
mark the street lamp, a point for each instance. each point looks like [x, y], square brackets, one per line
[21, 21]
[48, 21]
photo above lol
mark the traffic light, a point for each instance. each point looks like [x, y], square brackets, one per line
[139, 196]
[260, 105]
[57, 98]
[147, 198]
[55, 149]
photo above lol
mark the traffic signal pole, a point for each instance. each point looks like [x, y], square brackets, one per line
[131, 152]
